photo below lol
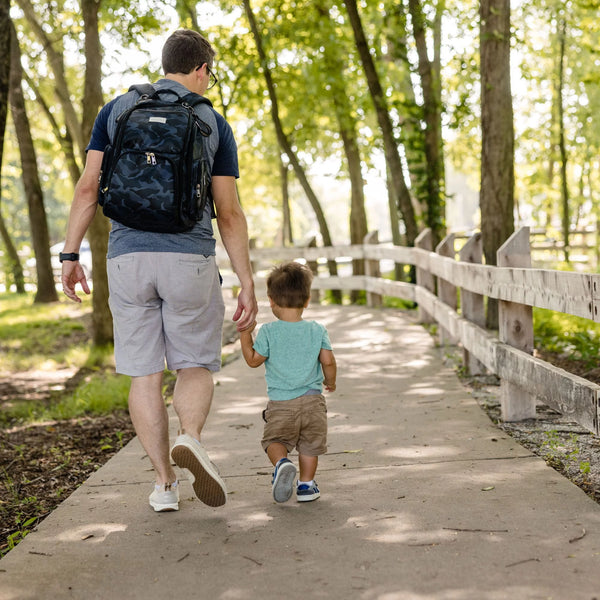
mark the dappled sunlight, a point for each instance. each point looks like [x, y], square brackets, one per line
[424, 452]
[423, 390]
[417, 363]
[249, 406]
[93, 533]
[249, 521]
[352, 429]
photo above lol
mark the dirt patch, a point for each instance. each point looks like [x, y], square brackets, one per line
[45, 463]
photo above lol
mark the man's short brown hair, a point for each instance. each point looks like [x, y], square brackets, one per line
[184, 51]
[288, 285]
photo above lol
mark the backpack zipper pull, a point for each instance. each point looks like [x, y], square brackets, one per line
[150, 158]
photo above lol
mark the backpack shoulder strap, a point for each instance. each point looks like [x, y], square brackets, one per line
[144, 89]
[193, 99]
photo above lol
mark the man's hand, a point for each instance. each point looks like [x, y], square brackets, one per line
[247, 309]
[72, 274]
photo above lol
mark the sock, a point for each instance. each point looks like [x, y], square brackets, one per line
[308, 483]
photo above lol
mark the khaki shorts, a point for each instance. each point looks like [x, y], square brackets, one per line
[165, 306]
[300, 423]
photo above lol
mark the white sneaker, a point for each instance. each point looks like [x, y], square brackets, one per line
[189, 454]
[165, 497]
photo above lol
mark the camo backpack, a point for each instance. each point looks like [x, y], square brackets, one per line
[156, 174]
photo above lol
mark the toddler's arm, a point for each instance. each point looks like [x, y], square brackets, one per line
[327, 360]
[252, 357]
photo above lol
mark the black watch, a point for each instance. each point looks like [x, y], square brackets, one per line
[68, 256]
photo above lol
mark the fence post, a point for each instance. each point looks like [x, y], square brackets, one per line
[313, 266]
[447, 291]
[516, 327]
[472, 304]
[372, 270]
[424, 277]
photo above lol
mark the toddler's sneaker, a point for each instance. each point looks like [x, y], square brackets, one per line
[189, 454]
[165, 497]
[283, 480]
[306, 492]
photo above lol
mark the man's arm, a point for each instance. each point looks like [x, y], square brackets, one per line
[234, 233]
[83, 210]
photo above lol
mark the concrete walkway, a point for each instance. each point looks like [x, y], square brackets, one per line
[422, 498]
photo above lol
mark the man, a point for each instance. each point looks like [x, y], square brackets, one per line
[165, 293]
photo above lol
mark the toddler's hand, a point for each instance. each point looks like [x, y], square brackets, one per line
[330, 387]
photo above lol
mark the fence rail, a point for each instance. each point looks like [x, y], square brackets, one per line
[442, 279]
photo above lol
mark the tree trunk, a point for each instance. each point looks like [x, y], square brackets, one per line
[429, 73]
[38, 223]
[287, 238]
[285, 144]
[55, 58]
[100, 227]
[12, 261]
[97, 234]
[564, 187]
[392, 156]
[334, 63]
[497, 131]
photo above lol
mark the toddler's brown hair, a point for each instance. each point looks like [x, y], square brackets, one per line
[288, 285]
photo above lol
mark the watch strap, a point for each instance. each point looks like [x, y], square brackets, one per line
[68, 256]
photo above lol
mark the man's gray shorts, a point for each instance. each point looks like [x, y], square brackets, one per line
[165, 306]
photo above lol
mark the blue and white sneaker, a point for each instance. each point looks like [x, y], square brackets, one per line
[283, 480]
[307, 492]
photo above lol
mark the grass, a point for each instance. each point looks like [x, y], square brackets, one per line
[574, 337]
[41, 336]
[47, 337]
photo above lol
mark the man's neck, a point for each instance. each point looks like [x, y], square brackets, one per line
[184, 80]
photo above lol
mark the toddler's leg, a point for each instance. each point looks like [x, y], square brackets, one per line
[276, 452]
[307, 489]
[308, 467]
[284, 474]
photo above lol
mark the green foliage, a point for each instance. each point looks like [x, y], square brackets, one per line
[561, 453]
[42, 336]
[573, 337]
[46, 337]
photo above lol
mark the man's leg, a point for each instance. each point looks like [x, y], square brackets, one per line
[151, 423]
[192, 399]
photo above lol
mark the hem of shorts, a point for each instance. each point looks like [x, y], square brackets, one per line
[214, 368]
[140, 372]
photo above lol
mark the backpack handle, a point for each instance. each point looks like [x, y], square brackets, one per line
[148, 91]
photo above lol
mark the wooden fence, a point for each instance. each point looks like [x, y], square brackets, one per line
[443, 278]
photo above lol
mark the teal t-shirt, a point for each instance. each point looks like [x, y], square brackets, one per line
[292, 351]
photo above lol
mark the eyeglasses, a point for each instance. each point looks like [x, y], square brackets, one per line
[213, 79]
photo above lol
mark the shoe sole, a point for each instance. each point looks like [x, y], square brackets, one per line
[208, 486]
[308, 498]
[283, 486]
[164, 507]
